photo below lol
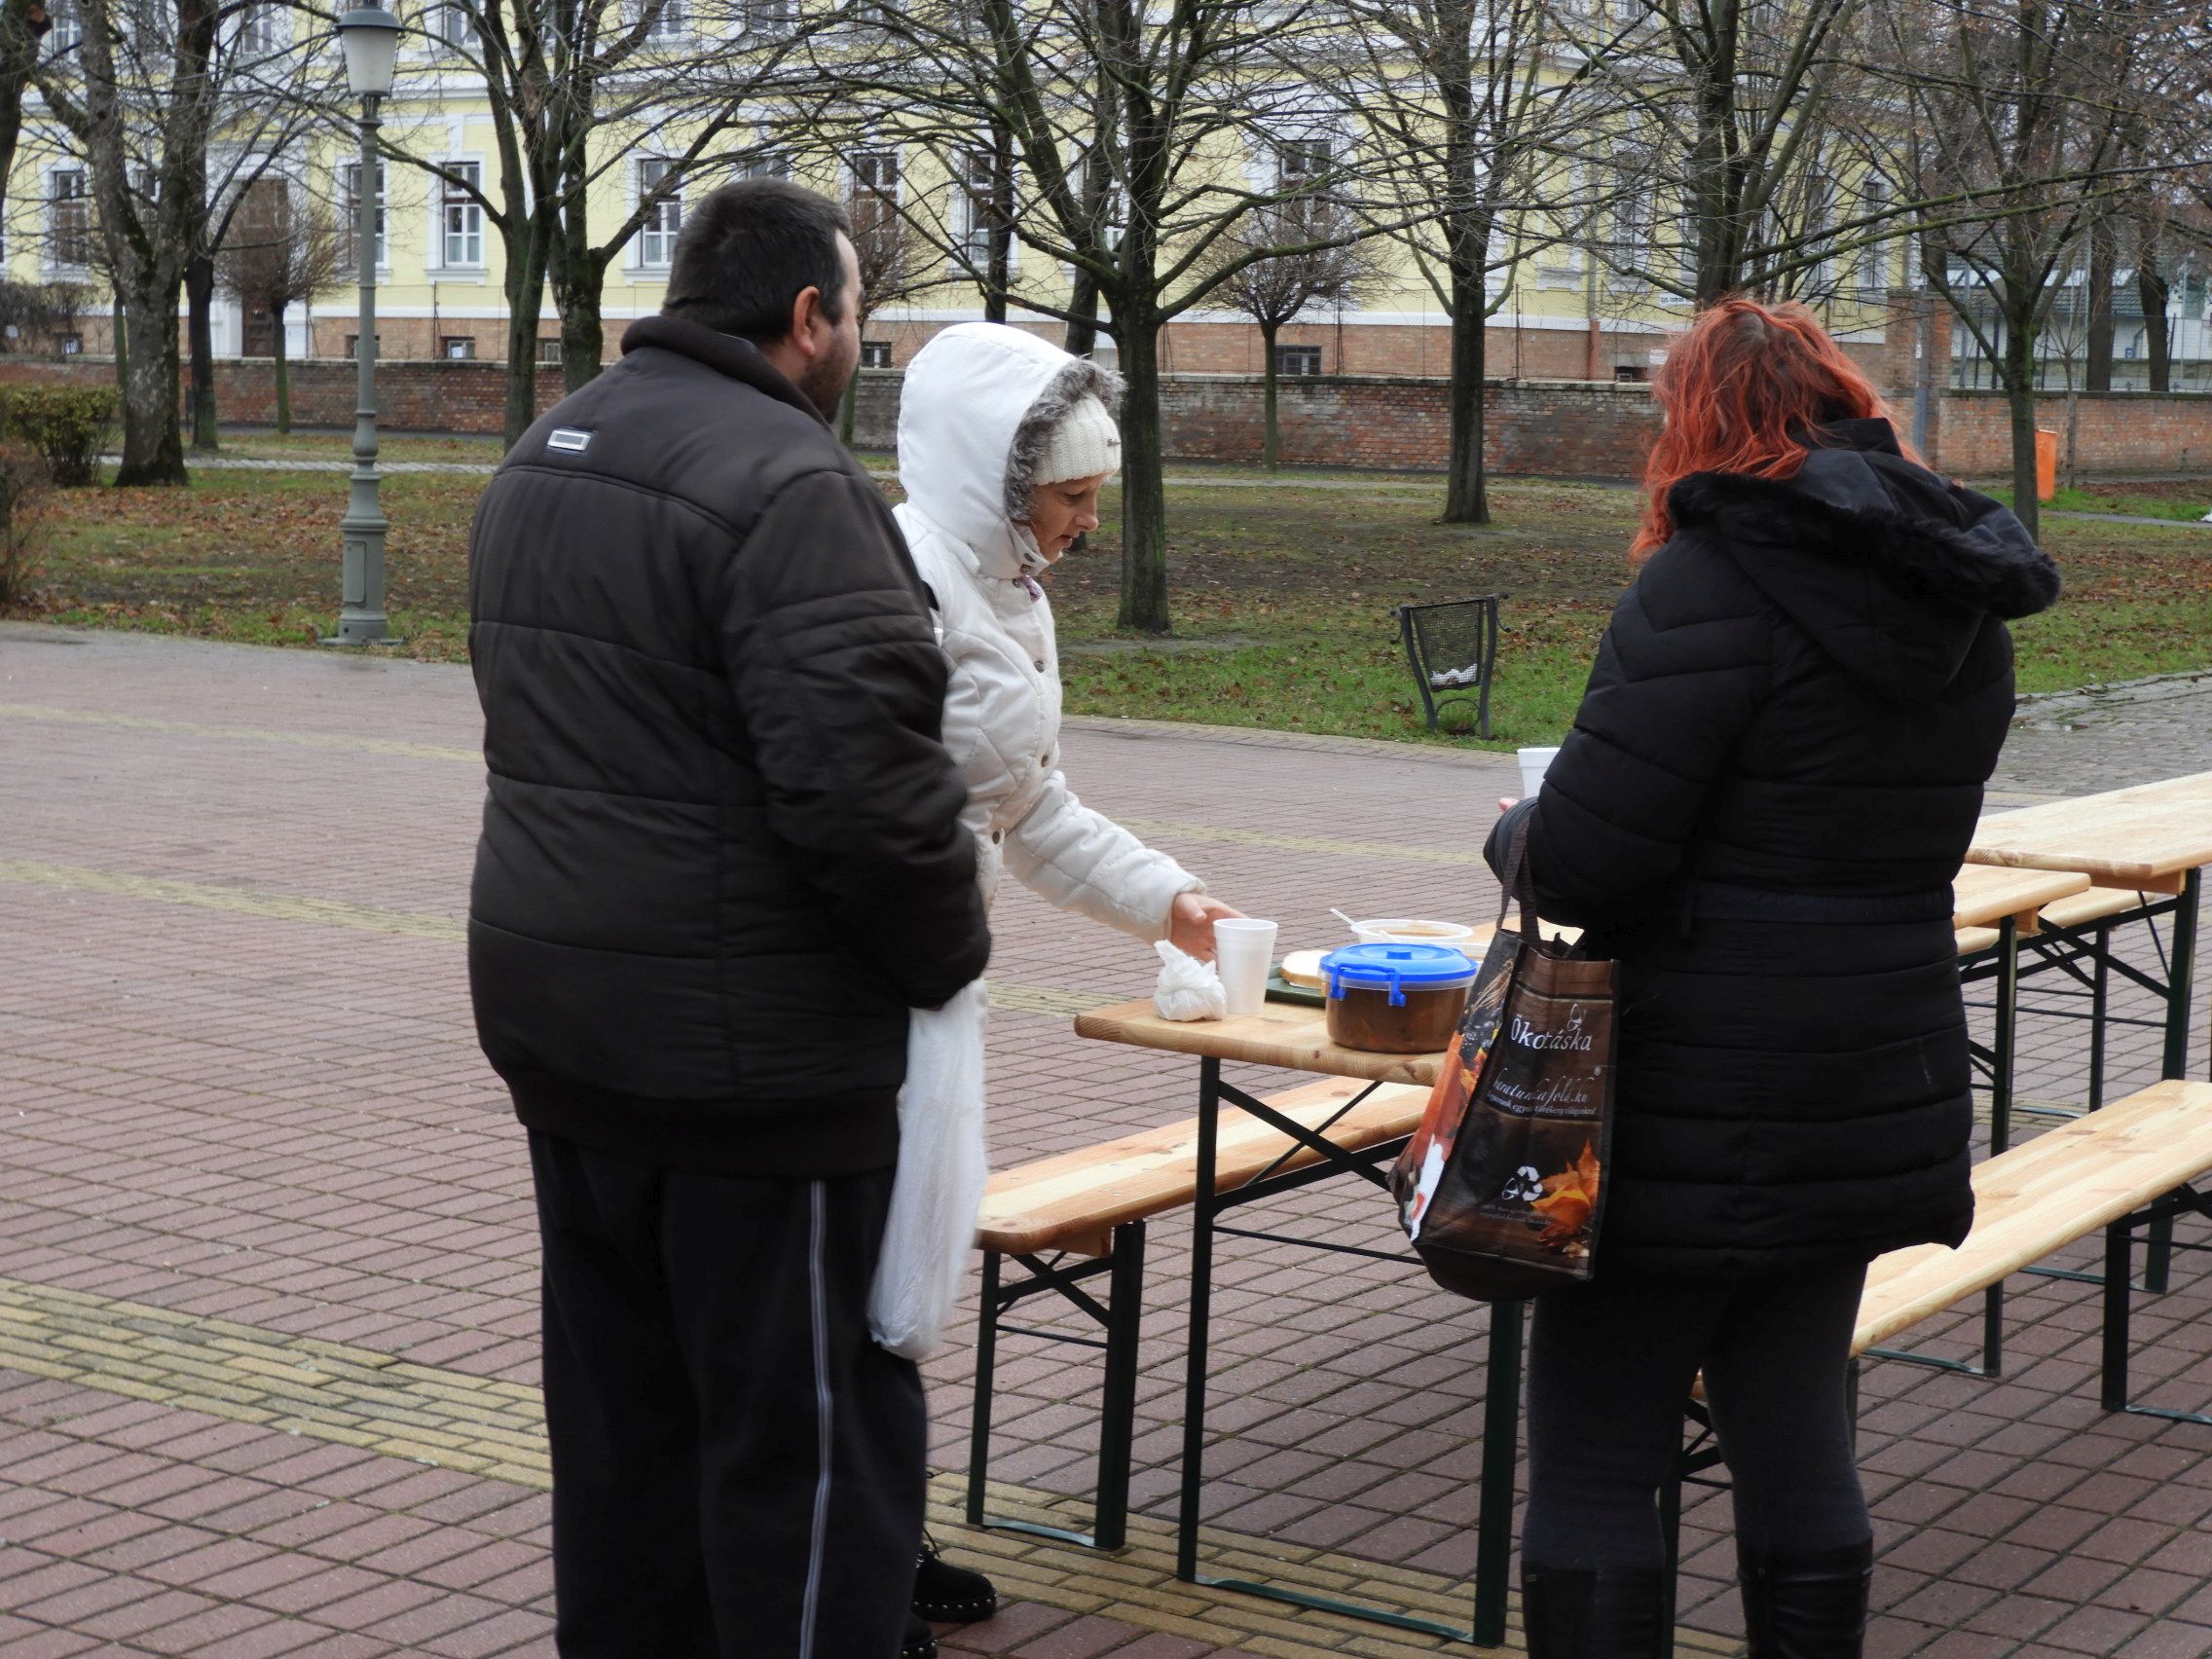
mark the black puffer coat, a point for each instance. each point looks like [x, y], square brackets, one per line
[1771, 779]
[722, 852]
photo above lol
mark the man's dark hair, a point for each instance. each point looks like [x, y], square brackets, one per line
[749, 251]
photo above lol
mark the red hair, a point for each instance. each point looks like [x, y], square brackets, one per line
[1740, 391]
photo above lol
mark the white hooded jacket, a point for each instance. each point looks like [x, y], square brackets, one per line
[978, 406]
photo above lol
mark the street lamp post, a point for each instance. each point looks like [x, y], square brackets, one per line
[370, 37]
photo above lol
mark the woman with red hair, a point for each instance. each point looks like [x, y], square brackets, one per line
[1771, 780]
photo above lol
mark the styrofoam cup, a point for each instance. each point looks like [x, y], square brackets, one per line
[1243, 950]
[1534, 763]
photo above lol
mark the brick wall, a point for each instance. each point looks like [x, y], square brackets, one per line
[1552, 430]
[1548, 429]
[2121, 432]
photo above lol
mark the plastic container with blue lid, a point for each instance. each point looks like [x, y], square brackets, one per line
[1396, 999]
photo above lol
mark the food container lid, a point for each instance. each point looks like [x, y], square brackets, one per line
[1398, 969]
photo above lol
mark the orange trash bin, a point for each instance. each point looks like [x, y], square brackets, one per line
[2047, 465]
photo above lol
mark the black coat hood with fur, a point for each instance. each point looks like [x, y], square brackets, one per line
[1770, 784]
[1892, 568]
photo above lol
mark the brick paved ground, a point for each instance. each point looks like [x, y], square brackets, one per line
[266, 1295]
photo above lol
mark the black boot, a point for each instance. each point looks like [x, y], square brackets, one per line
[919, 1641]
[1591, 1615]
[1811, 1606]
[944, 1594]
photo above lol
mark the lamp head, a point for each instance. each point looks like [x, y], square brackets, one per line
[370, 36]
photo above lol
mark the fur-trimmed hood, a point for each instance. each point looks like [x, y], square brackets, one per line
[1891, 569]
[974, 416]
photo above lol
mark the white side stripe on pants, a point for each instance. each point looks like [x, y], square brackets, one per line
[822, 1405]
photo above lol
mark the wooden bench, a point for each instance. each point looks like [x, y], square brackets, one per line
[2114, 1172]
[1080, 1215]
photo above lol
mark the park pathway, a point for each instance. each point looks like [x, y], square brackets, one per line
[267, 1259]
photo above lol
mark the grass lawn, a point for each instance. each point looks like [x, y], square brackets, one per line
[2182, 501]
[1282, 596]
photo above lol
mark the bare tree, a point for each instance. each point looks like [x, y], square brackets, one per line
[1466, 157]
[1134, 129]
[2027, 109]
[283, 249]
[577, 91]
[174, 110]
[895, 261]
[1276, 290]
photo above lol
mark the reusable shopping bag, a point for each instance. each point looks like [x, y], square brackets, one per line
[1502, 1187]
[938, 1186]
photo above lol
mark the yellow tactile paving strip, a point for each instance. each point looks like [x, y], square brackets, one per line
[1202, 833]
[358, 1397]
[1014, 997]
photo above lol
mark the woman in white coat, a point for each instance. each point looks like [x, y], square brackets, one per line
[1004, 442]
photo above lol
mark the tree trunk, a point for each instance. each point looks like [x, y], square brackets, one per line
[583, 332]
[998, 264]
[1466, 228]
[2157, 332]
[2018, 371]
[283, 371]
[1270, 437]
[1144, 490]
[2103, 255]
[118, 325]
[199, 307]
[1082, 316]
[153, 435]
[525, 299]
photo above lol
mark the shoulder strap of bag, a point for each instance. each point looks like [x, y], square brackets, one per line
[1515, 882]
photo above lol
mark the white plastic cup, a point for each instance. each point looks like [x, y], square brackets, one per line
[1243, 950]
[1534, 763]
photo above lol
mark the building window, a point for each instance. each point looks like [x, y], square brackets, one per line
[72, 345]
[349, 187]
[656, 237]
[765, 163]
[769, 17]
[549, 351]
[452, 26]
[67, 27]
[69, 218]
[876, 354]
[458, 347]
[462, 215]
[878, 236]
[1301, 163]
[1871, 272]
[353, 346]
[975, 206]
[260, 31]
[1631, 373]
[673, 21]
[1298, 359]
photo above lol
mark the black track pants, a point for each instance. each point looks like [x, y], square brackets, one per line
[737, 1468]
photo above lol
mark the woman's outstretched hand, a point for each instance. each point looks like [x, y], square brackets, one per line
[1190, 924]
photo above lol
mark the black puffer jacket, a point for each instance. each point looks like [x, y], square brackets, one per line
[1771, 779]
[722, 852]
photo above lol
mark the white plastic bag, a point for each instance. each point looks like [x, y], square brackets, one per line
[939, 1188]
[1187, 989]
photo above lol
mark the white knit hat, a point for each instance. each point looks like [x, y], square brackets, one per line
[1085, 444]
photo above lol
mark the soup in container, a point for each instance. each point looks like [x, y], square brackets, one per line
[1412, 930]
[1396, 999]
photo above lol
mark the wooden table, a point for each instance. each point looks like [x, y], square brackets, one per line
[2150, 837]
[1295, 1036]
[2155, 838]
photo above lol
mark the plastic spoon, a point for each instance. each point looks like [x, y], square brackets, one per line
[1341, 917]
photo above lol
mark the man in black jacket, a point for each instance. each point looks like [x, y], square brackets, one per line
[722, 859]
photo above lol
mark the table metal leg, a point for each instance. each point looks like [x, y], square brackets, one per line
[986, 1384]
[2005, 1063]
[2181, 990]
[1201, 1311]
[1117, 1427]
[1502, 1441]
[2100, 1008]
